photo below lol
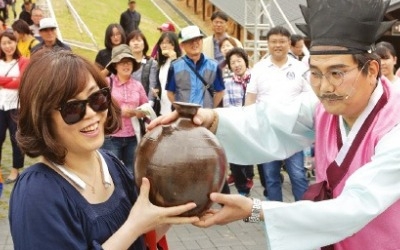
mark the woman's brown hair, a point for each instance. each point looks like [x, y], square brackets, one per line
[230, 40]
[52, 78]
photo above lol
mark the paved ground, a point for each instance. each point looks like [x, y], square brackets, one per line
[235, 236]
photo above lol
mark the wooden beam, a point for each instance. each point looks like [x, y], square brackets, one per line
[204, 10]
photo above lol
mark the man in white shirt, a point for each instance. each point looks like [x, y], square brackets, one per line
[278, 78]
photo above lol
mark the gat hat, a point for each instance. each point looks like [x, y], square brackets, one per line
[355, 25]
[117, 54]
[46, 23]
[166, 27]
[189, 33]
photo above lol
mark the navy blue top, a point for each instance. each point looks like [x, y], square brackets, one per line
[47, 212]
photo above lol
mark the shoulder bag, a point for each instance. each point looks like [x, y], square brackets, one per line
[206, 85]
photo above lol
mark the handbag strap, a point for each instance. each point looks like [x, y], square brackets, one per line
[206, 85]
[145, 77]
[12, 66]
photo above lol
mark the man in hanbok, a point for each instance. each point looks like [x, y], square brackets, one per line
[353, 118]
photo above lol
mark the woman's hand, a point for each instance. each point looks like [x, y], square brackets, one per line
[147, 216]
[128, 111]
[155, 92]
[235, 207]
[144, 217]
[169, 53]
[139, 113]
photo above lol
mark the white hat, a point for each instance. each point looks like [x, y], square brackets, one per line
[189, 33]
[47, 22]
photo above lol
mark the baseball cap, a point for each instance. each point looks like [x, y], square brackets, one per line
[47, 22]
[166, 27]
[189, 33]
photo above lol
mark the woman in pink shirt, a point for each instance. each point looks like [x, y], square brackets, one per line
[129, 94]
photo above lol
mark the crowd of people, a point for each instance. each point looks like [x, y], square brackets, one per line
[86, 121]
[17, 43]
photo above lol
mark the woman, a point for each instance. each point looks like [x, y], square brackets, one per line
[234, 96]
[129, 94]
[12, 65]
[77, 196]
[168, 49]
[225, 45]
[115, 35]
[26, 40]
[147, 73]
[235, 86]
[388, 61]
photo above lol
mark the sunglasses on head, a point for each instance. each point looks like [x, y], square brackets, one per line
[74, 111]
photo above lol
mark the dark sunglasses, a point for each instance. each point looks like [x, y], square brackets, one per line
[74, 111]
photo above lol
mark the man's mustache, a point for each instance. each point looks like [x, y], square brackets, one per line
[333, 97]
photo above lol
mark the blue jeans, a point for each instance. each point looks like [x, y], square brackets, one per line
[297, 174]
[8, 121]
[123, 148]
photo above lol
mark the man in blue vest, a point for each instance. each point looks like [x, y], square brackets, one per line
[194, 77]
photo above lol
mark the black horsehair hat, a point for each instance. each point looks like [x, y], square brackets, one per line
[353, 24]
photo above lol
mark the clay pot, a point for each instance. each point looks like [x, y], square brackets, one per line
[183, 162]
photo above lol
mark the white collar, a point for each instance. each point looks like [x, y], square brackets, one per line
[348, 139]
[106, 178]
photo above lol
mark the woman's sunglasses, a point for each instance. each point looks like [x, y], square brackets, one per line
[74, 111]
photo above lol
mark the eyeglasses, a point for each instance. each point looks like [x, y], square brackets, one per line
[218, 22]
[334, 76]
[279, 42]
[74, 111]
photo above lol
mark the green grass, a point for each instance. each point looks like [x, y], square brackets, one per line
[97, 15]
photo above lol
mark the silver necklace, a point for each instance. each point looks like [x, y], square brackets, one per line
[92, 186]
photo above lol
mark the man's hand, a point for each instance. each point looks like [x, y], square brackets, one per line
[203, 117]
